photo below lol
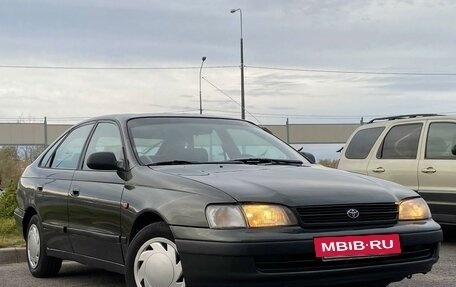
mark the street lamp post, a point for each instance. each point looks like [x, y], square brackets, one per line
[242, 67]
[201, 98]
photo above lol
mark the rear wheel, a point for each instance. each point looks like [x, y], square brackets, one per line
[40, 265]
[153, 259]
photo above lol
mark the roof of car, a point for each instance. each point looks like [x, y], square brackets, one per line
[126, 117]
[404, 119]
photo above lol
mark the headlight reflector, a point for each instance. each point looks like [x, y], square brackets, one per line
[265, 215]
[225, 216]
[414, 209]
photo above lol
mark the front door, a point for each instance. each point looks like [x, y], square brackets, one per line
[94, 202]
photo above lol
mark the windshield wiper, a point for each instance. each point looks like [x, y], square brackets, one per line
[173, 162]
[259, 160]
[183, 162]
[252, 160]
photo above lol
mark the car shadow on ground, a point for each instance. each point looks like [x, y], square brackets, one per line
[449, 234]
[88, 276]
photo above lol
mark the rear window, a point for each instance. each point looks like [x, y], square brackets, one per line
[362, 143]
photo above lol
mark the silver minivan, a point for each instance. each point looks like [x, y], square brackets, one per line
[417, 151]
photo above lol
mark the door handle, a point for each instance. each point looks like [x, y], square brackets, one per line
[429, 170]
[39, 188]
[378, 170]
[75, 190]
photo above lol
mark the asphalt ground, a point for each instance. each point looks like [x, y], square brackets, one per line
[76, 275]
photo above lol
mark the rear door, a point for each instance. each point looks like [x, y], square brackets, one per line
[94, 202]
[397, 156]
[355, 157]
[437, 168]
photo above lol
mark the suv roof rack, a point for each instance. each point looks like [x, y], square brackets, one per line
[411, 116]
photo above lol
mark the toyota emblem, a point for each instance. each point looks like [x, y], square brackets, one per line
[353, 213]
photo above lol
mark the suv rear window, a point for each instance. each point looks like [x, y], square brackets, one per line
[362, 143]
[401, 142]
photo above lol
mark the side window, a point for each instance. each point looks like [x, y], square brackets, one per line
[401, 142]
[46, 160]
[68, 153]
[105, 138]
[441, 139]
[362, 142]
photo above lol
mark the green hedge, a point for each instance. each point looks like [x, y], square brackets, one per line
[8, 202]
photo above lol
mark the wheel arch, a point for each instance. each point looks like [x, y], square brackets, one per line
[29, 213]
[144, 219]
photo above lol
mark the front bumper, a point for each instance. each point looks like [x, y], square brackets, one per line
[286, 257]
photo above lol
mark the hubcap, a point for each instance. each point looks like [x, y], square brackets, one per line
[157, 264]
[33, 246]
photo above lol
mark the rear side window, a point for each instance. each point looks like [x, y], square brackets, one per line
[401, 142]
[441, 139]
[68, 153]
[362, 143]
[46, 160]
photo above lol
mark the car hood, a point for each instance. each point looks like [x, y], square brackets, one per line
[291, 185]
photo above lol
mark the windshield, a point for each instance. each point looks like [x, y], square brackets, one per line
[204, 140]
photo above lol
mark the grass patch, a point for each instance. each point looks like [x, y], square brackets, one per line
[9, 234]
[329, 162]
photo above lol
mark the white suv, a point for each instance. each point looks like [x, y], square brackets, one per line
[417, 151]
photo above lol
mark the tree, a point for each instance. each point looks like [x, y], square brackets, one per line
[30, 153]
[10, 166]
[13, 161]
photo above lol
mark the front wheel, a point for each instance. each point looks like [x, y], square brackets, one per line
[40, 265]
[153, 259]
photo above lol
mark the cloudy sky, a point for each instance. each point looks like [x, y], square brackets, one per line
[359, 35]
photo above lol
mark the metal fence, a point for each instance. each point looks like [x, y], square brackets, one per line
[23, 134]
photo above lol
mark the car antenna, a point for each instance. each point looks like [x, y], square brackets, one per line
[237, 103]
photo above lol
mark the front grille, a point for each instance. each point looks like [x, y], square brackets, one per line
[329, 216]
[308, 262]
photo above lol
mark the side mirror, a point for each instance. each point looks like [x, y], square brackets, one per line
[453, 150]
[310, 157]
[103, 161]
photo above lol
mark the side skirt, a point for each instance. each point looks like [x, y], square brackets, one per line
[87, 260]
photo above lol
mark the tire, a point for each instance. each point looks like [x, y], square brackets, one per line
[153, 257]
[40, 265]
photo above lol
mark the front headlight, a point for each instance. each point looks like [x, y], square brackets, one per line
[249, 215]
[414, 209]
[264, 215]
